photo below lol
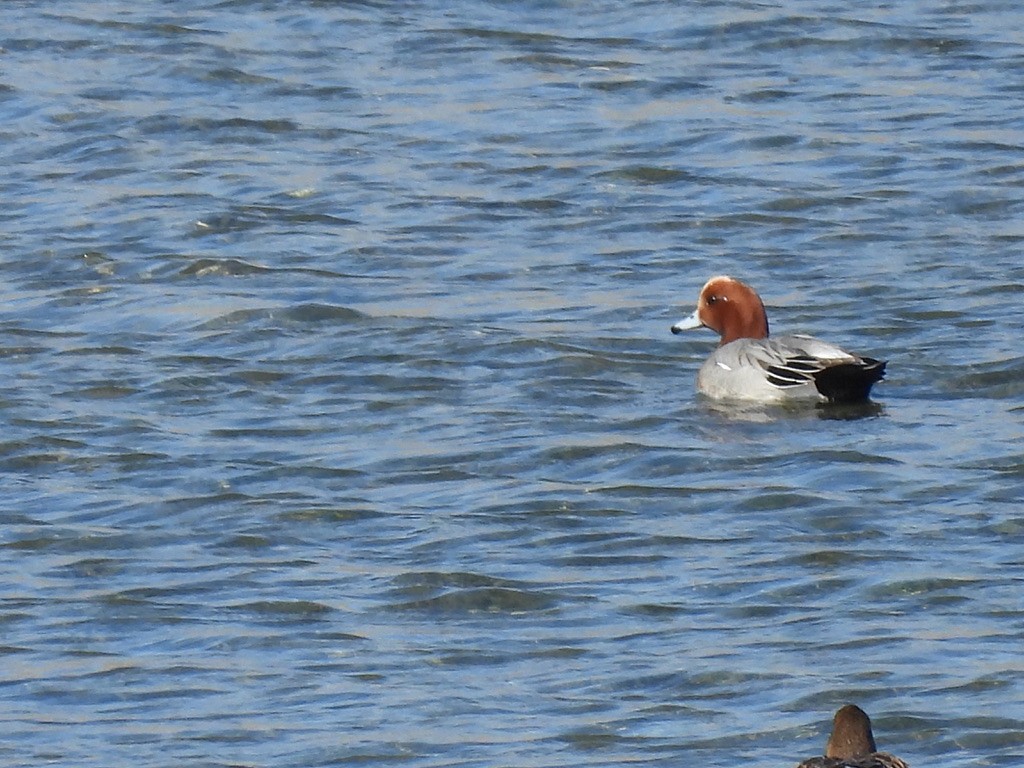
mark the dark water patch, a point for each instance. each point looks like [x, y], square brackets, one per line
[433, 580]
[526, 38]
[526, 205]
[246, 542]
[454, 592]
[779, 501]
[758, 611]
[555, 62]
[482, 600]
[104, 392]
[216, 130]
[205, 502]
[592, 739]
[832, 559]
[221, 267]
[56, 445]
[993, 740]
[553, 508]
[104, 350]
[616, 85]
[999, 380]
[244, 218]
[332, 515]
[321, 93]
[642, 174]
[318, 313]
[977, 685]
[93, 568]
[609, 560]
[233, 76]
[933, 590]
[236, 433]
[67, 540]
[270, 317]
[766, 95]
[1013, 527]
[285, 610]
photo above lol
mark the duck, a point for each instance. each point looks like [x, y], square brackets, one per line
[852, 745]
[750, 365]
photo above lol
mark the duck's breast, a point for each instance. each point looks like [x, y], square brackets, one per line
[740, 371]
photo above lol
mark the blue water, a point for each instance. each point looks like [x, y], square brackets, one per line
[343, 424]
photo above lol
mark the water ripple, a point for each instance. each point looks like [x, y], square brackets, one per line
[339, 386]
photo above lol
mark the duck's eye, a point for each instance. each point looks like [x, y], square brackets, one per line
[712, 300]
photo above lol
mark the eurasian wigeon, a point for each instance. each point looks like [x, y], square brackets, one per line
[852, 745]
[749, 366]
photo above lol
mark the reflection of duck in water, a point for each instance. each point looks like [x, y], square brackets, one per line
[852, 745]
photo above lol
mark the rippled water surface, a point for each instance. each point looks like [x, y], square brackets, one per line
[343, 426]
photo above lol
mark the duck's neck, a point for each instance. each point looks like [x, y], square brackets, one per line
[750, 324]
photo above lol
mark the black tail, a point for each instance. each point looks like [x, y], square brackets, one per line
[849, 382]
